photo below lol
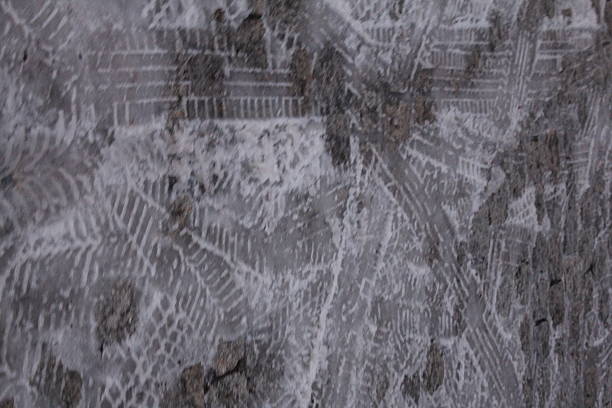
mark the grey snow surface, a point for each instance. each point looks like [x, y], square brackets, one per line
[305, 203]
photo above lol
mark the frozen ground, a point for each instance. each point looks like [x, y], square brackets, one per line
[305, 203]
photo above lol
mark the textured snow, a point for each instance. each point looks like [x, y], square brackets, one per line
[368, 203]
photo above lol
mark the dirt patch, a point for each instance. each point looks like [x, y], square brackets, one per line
[608, 16]
[541, 338]
[117, 314]
[497, 206]
[498, 30]
[263, 368]
[423, 110]
[330, 80]
[222, 28]
[491, 214]
[284, 12]
[190, 391]
[218, 16]
[44, 78]
[71, 393]
[194, 384]
[380, 386]
[337, 138]
[7, 182]
[180, 211]
[229, 354]
[379, 109]
[396, 123]
[240, 374]
[525, 336]
[229, 391]
[301, 72]
[556, 302]
[473, 62]
[411, 387]
[396, 10]
[6, 227]
[205, 73]
[548, 8]
[459, 323]
[431, 249]
[543, 154]
[433, 375]
[604, 308]
[7, 403]
[532, 12]
[567, 13]
[591, 378]
[180, 92]
[592, 205]
[383, 107]
[504, 296]
[250, 42]
[225, 384]
[60, 385]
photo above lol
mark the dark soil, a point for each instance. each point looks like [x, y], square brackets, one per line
[7, 403]
[222, 385]
[411, 387]
[229, 354]
[472, 62]
[250, 42]
[180, 211]
[60, 385]
[191, 389]
[229, 391]
[117, 314]
[330, 77]
[337, 138]
[531, 14]
[301, 72]
[433, 375]
[498, 29]
[206, 74]
[608, 16]
[396, 120]
[194, 385]
[284, 12]
[423, 102]
[71, 392]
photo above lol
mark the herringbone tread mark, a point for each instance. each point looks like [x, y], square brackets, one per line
[131, 75]
[483, 338]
